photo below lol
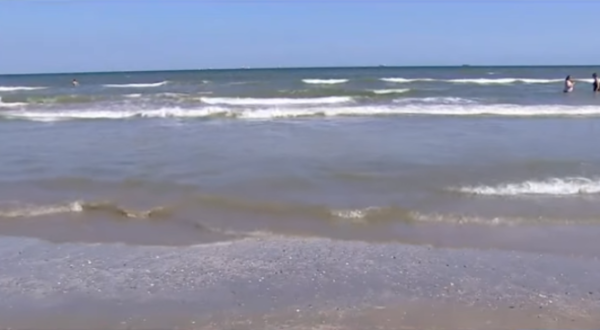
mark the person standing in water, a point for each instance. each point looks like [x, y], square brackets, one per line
[596, 84]
[569, 84]
[75, 82]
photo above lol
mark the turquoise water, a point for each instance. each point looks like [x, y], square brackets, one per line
[364, 153]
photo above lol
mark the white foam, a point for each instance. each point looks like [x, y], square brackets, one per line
[457, 108]
[324, 81]
[18, 88]
[503, 81]
[277, 101]
[585, 80]
[479, 81]
[405, 80]
[149, 85]
[28, 211]
[391, 91]
[552, 186]
[11, 105]
[436, 100]
[52, 116]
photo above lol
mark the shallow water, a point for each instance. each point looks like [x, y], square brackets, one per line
[485, 157]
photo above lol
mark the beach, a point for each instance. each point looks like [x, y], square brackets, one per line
[301, 283]
[323, 198]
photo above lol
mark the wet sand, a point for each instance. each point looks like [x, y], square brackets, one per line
[274, 282]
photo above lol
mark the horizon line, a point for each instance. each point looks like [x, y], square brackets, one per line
[303, 68]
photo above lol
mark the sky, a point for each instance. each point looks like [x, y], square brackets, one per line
[128, 35]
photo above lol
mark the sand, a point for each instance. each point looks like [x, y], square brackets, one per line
[297, 283]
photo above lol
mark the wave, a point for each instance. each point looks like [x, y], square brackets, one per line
[18, 88]
[480, 81]
[391, 91]
[213, 202]
[11, 104]
[52, 116]
[62, 99]
[504, 81]
[441, 100]
[350, 216]
[30, 211]
[551, 187]
[277, 101]
[148, 85]
[324, 81]
[457, 108]
[405, 80]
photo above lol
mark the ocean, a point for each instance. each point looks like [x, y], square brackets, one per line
[451, 157]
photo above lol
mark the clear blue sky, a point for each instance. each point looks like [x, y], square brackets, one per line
[107, 35]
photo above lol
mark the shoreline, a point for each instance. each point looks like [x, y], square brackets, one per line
[334, 283]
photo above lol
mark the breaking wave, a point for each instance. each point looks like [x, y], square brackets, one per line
[324, 81]
[148, 85]
[222, 203]
[457, 107]
[479, 81]
[391, 91]
[277, 101]
[18, 88]
[405, 80]
[31, 211]
[549, 187]
[350, 216]
[11, 104]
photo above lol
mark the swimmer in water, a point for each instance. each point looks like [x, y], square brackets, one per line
[596, 84]
[569, 84]
[75, 82]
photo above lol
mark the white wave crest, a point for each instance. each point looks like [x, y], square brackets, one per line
[324, 81]
[149, 85]
[391, 91]
[18, 88]
[11, 104]
[405, 80]
[552, 186]
[503, 81]
[276, 111]
[277, 101]
[479, 81]
[52, 116]
[435, 100]
[28, 211]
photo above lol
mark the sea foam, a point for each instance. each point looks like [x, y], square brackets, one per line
[478, 81]
[277, 101]
[550, 187]
[148, 85]
[18, 88]
[324, 81]
[435, 107]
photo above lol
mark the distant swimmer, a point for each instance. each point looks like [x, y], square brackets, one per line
[568, 85]
[75, 82]
[595, 84]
